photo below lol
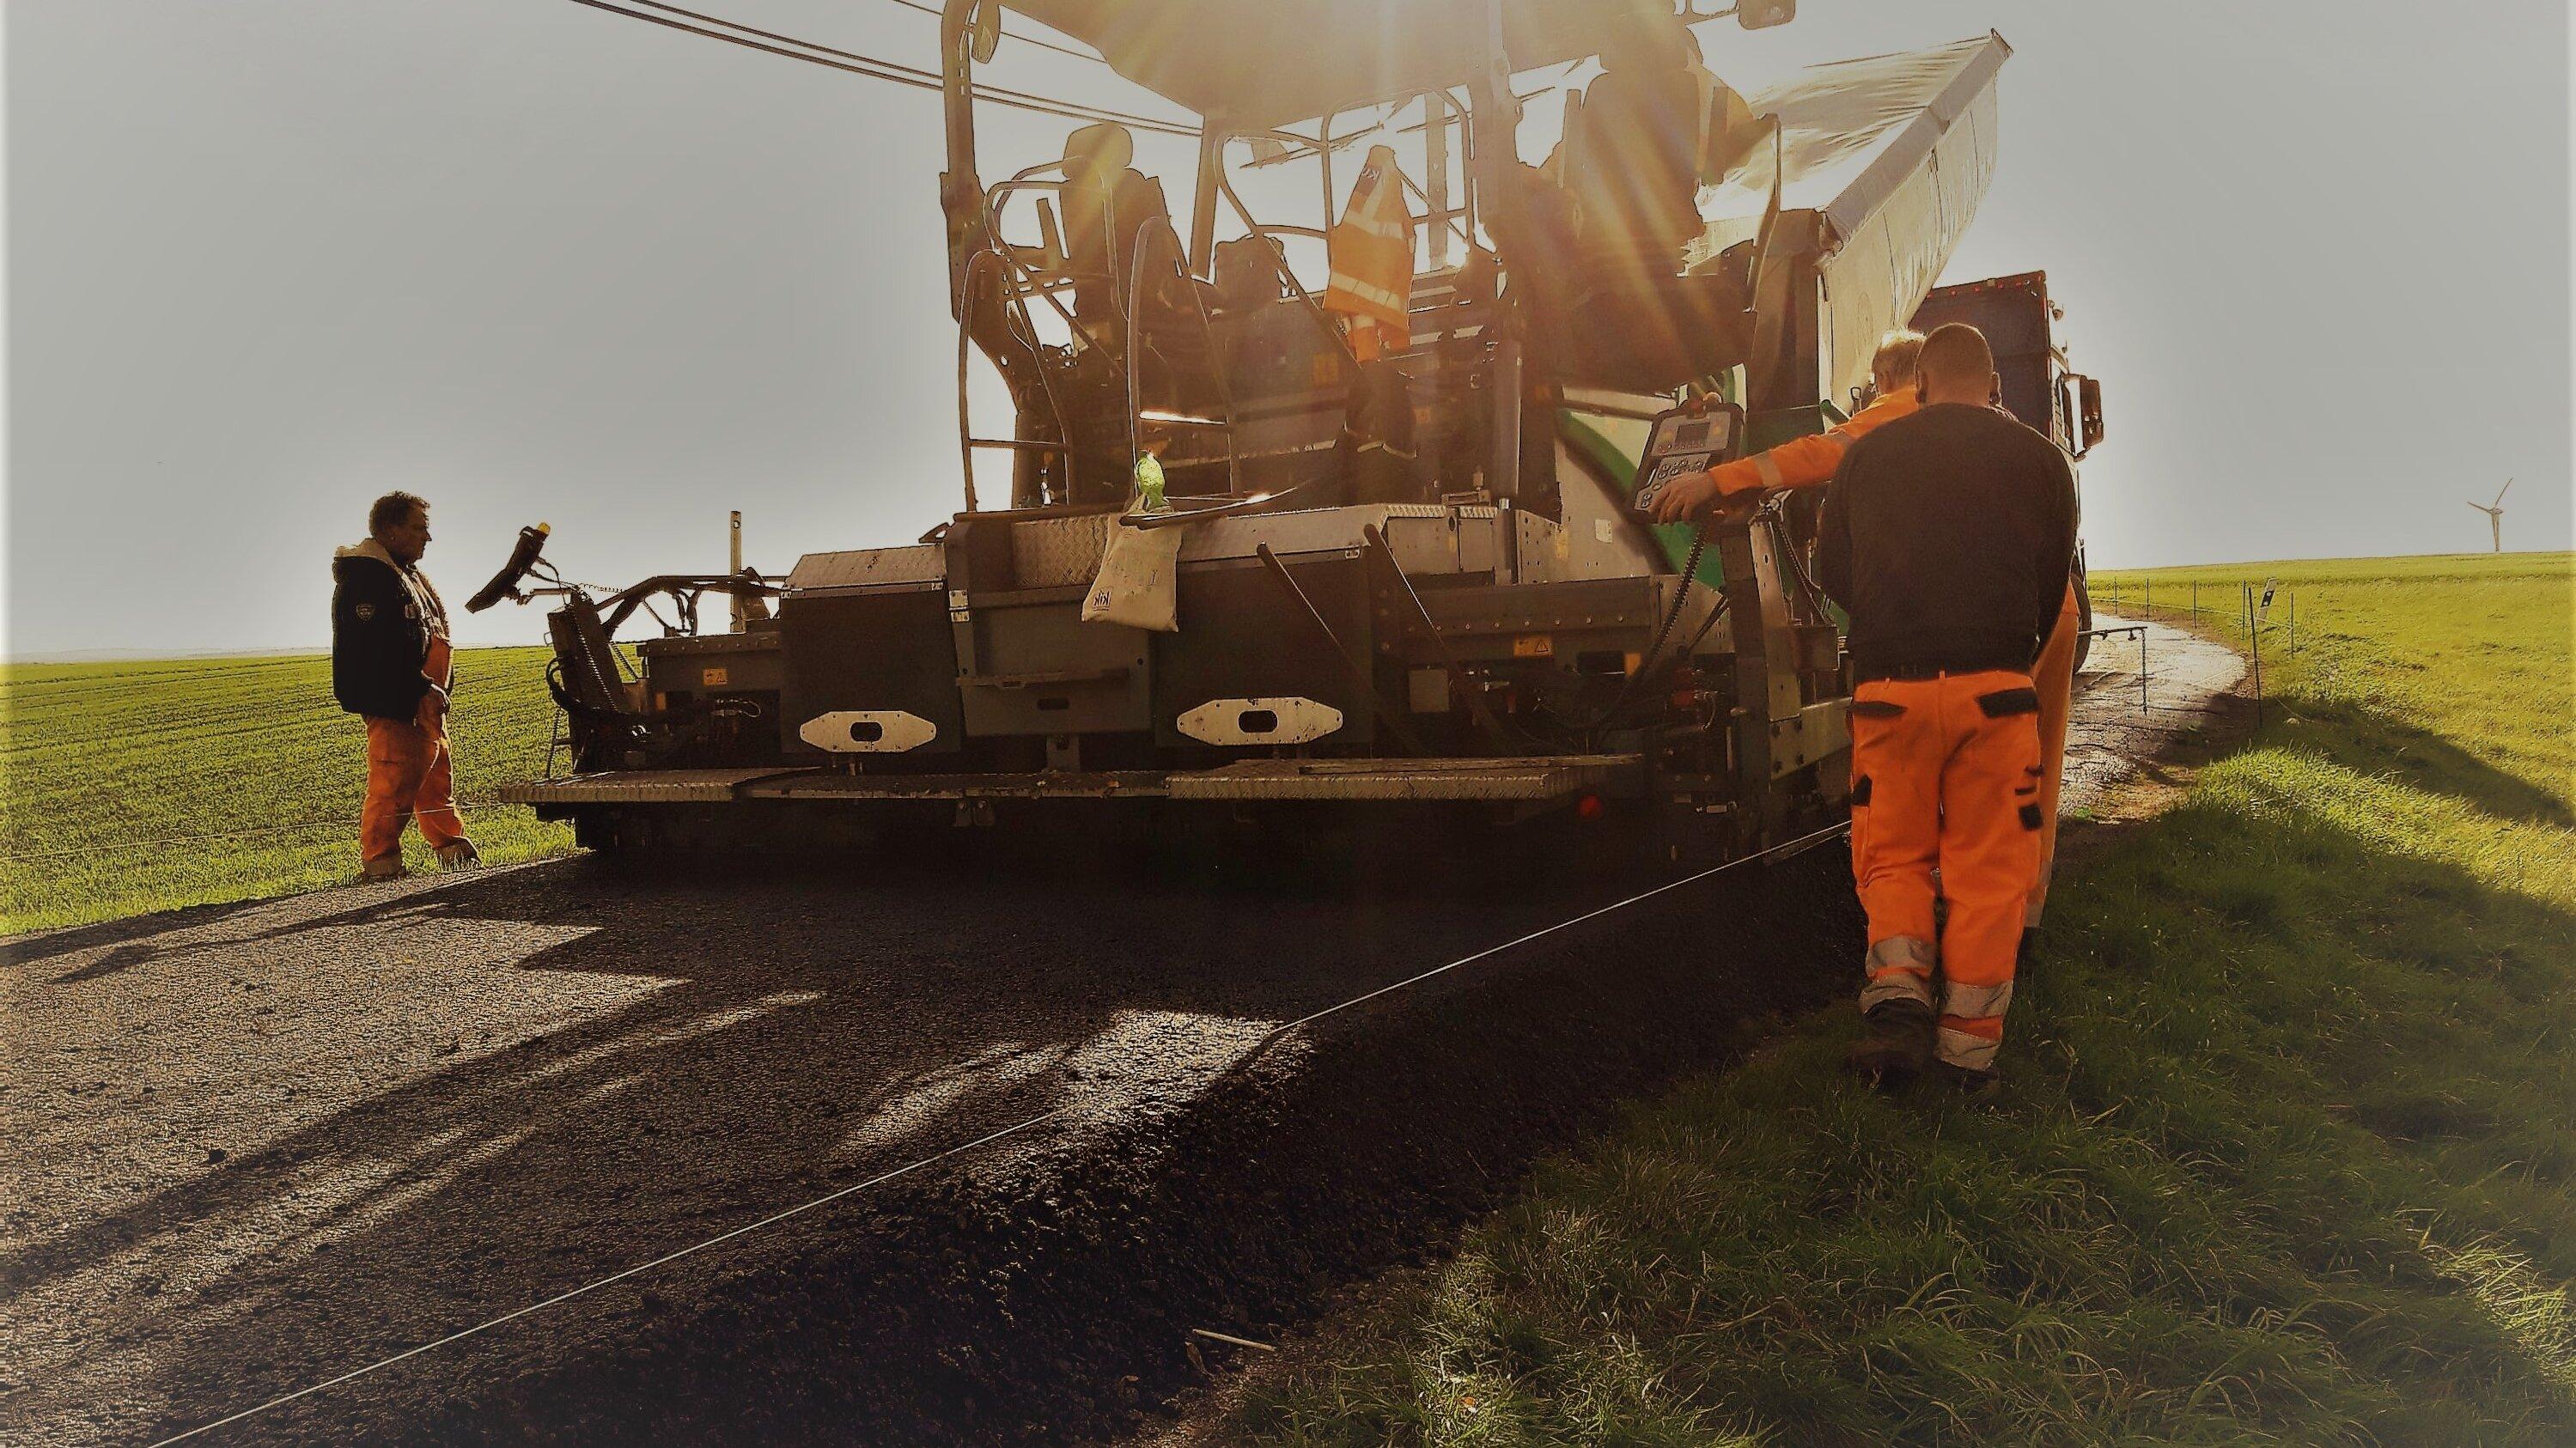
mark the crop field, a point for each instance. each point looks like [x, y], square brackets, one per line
[128, 787]
[2283, 1154]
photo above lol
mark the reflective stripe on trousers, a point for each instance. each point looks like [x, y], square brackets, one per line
[1899, 969]
[1946, 776]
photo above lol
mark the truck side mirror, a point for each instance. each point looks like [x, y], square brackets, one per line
[2088, 392]
[1763, 14]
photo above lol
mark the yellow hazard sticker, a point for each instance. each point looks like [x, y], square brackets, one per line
[713, 678]
[1534, 646]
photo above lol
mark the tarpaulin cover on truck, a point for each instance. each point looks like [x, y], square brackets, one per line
[1886, 158]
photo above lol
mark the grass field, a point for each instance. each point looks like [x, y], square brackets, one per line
[2285, 1154]
[129, 787]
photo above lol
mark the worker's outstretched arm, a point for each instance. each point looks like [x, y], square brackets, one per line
[1801, 462]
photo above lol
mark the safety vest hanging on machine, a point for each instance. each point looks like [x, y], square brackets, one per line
[1371, 252]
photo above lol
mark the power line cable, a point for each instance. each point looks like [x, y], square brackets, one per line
[1790, 847]
[875, 68]
[916, 76]
[1020, 36]
[1780, 850]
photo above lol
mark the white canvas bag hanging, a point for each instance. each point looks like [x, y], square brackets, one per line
[1138, 583]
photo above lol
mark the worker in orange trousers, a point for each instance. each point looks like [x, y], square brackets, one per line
[2054, 677]
[1811, 461]
[392, 663]
[1948, 536]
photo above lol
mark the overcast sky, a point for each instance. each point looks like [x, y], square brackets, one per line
[267, 258]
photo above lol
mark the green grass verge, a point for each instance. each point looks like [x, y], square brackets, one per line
[130, 787]
[2285, 1155]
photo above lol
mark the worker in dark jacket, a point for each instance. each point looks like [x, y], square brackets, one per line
[1948, 536]
[391, 663]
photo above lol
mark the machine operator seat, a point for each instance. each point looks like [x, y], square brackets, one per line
[1611, 212]
[1106, 202]
[1651, 129]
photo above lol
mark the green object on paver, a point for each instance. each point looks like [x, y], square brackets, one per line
[1620, 470]
[1149, 483]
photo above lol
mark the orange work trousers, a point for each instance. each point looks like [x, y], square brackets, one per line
[409, 775]
[2054, 677]
[1946, 776]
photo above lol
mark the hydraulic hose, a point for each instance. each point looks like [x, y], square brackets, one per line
[1663, 634]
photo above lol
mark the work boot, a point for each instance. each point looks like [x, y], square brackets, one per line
[1966, 1082]
[1895, 1043]
[383, 867]
[457, 855]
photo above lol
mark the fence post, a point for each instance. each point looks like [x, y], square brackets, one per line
[2195, 598]
[2293, 601]
[2147, 598]
[2254, 637]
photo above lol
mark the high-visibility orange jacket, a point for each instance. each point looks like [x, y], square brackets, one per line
[1371, 255]
[1807, 462]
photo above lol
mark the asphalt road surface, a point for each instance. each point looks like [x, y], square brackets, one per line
[255, 1147]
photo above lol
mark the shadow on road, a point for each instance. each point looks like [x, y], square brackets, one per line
[793, 1026]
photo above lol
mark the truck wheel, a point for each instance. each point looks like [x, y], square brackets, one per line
[2083, 622]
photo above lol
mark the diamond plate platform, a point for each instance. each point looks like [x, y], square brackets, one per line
[638, 786]
[1542, 778]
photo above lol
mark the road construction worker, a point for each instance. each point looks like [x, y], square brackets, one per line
[1810, 461]
[391, 663]
[2054, 676]
[1948, 536]
[1805, 462]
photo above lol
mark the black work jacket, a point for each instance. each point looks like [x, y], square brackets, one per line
[382, 617]
[1948, 535]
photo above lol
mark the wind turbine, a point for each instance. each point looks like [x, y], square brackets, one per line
[2495, 513]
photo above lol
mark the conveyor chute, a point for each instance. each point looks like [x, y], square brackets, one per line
[1883, 162]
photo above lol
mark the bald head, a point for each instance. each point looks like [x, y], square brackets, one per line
[1957, 366]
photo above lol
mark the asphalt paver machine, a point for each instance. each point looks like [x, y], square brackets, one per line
[1390, 566]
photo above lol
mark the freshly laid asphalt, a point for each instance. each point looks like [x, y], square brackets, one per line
[254, 1147]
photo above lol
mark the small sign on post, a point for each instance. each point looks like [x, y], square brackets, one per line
[735, 620]
[2254, 636]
